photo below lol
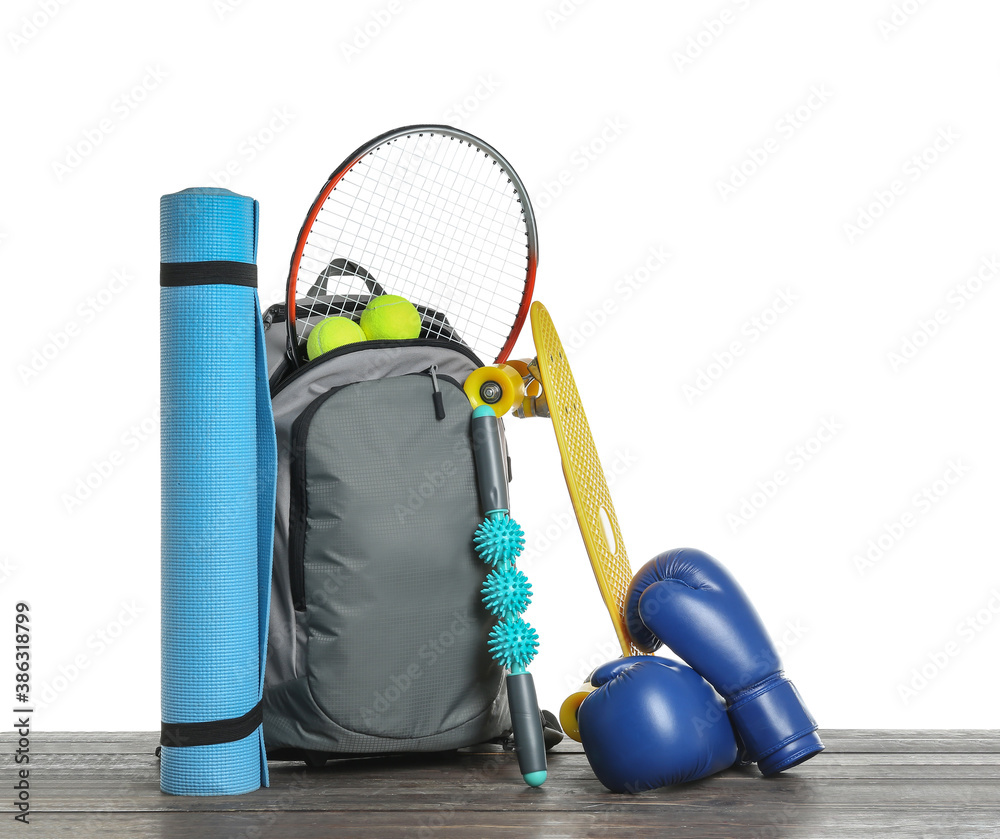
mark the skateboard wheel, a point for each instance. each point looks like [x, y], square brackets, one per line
[567, 712]
[499, 387]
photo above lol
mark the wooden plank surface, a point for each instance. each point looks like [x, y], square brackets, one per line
[867, 783]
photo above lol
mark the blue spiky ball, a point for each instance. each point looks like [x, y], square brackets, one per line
[506, 592]
[499, 539]
[513, 643]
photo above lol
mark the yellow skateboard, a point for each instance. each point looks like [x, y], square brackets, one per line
[559, 399]
[585, 480]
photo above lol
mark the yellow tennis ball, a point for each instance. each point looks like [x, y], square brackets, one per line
[331, 333]
[390, 317]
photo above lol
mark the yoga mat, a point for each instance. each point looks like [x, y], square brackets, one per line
[218, 457]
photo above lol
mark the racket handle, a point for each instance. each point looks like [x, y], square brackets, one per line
[529, 742]
[491, 476]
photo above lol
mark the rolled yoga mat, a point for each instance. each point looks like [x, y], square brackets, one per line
[218, 458]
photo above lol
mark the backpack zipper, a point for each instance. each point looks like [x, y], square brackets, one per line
[437, 397]
[277, 387]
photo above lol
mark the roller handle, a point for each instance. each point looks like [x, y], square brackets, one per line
[529, 741]
[491, 475]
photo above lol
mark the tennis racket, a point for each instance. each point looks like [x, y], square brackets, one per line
[432, 214]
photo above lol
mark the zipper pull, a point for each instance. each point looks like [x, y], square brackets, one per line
[438, 398]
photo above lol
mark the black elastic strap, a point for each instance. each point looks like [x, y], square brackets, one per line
[208, 273]
[212, 733]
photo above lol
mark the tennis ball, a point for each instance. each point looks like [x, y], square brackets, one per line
[390, 317]
[331, 333]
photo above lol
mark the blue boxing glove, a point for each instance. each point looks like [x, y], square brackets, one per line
[687, 600]
[651, 722]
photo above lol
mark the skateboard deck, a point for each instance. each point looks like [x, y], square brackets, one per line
[585, 479]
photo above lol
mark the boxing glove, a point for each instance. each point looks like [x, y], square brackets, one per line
[651, 722]
[687, 600]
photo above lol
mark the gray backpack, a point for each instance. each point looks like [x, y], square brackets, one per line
[377, 640]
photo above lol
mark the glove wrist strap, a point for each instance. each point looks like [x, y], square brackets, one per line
[774, 724]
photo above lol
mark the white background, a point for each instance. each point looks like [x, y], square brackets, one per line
[625, 121]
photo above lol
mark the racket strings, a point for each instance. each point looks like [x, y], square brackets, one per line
[435, 176]
[492, 231]
[469, 293]
[496, 243]
[490, 303]
[487, 231]
[437, 221]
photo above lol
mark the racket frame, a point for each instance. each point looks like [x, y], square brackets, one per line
[292, 345]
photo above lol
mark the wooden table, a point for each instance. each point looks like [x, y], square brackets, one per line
[867, 784]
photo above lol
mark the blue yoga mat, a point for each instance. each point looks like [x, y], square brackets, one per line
[218, 461]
